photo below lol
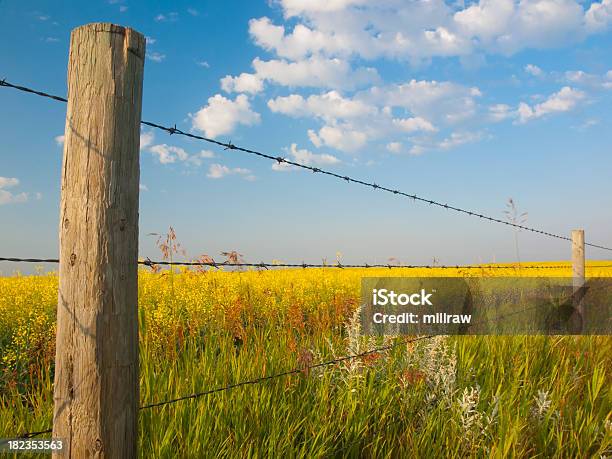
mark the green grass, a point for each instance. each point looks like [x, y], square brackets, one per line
[522, 396]
[369, 412]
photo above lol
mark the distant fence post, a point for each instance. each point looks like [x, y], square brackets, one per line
[96, 393]
[578, 272]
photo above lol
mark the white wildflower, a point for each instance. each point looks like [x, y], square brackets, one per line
[541, 406]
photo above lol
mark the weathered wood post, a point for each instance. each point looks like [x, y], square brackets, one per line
[96, 373]
[578, 272]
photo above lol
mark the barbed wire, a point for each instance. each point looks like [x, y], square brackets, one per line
[297, 370]
[281, 160]
[150, 263]
[5, 83]
[30, 260]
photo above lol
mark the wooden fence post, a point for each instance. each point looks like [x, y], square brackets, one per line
[96, 393]
[578, 272]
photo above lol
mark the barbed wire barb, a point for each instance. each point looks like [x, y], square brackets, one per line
[230, 146]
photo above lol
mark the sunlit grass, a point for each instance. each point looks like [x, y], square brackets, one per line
[460, 396]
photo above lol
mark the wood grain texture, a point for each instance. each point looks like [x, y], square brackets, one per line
[578, 270]
[96, 377]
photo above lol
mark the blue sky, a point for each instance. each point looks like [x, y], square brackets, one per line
[465, 103]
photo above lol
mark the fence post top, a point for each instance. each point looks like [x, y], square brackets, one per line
[113, 29]
[105, 27]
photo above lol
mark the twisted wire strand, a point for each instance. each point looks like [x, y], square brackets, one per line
[281, 160]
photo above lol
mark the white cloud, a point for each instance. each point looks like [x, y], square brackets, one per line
[436, 101]
[328, 106]
[394, 147]
[205, 154]
[204, 64]
[315, 72]
[197, 159]
[305, 157]
[533, 70]
[150, 40]
[350, 122]
[143, 187]
[295, 7]
[156, 57]
[245, 82]
[8, 182]
[169, 17]
[59, 140]
[7, 197]
[221, 115]
[146, 139]
[581, 78]
[217, 171]
[414, 124]
[460, 138]
[563, 101]
[168, 154]
[486, 18]
[589, 123]
[500, 112]
[193, 11]
[337, 137]
[417, 31]
[599, 16]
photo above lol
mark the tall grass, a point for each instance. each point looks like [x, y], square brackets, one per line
[444, 397]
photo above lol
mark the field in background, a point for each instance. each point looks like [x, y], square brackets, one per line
[474, 396]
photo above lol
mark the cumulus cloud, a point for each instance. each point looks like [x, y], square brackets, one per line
[599, 16]
[315, 72]
[8, 197]
[349, 123]
[460, 138]
[329, 48]
[562, 101]
[414, 124]
[8, 182]
[589, 80]
[168, 154]
[330, 105]
[340, 138]
[245, 82]
[217, 171]
[59, 140]
[500, 112]
[146, 139]
[221, 115]
[305, 157]
[434, 101]
[534, 70]
[295, 7]
[197, 158]
[394, 147]
[417, 31]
